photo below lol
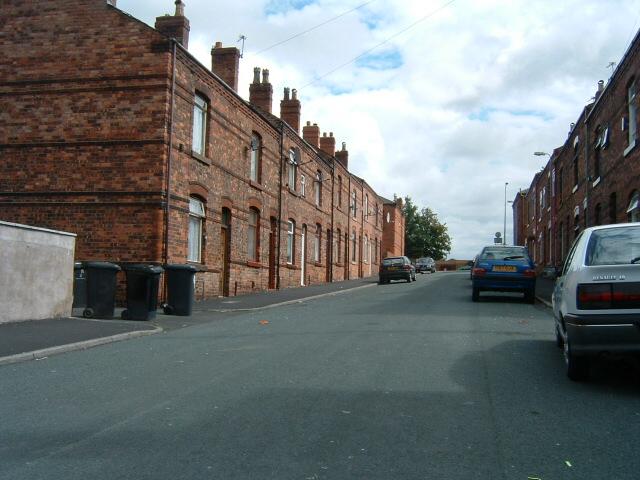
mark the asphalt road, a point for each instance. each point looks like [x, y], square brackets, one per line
[400, 381]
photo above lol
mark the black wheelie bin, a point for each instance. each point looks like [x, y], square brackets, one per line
[180, 289]
[142, 291]
[101, 289]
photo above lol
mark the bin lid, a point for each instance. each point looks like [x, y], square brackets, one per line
[102, 266]
[143, 268]
[78, 264]
[181, 266]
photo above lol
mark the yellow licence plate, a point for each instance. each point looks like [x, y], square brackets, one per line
[393, 268]
[504, 268]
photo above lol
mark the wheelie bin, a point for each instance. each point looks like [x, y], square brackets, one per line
[79, 286]
[101, 289]
[180, 289]
[142, 291]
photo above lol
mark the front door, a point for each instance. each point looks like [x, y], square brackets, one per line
[272, 253]
[329, 255]
[225, 246]
[303, 254]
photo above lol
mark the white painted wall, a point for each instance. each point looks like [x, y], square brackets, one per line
[36, 272]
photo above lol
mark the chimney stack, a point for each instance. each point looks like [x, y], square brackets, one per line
[225, 63]
[174, 26]
[290, 109]
[328, 144]
[261, 94]
[311, 134]
[343, 156]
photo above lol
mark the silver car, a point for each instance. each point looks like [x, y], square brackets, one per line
[596, 299]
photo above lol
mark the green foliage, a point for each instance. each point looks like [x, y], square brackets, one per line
[424, 235]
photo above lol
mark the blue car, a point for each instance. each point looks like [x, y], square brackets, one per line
[500, 268]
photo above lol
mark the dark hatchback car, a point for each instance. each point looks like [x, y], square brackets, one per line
[501, 268]
[397, 268]
[425, 264]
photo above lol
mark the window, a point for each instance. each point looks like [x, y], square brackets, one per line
[316, 244]
[339, 191]
[303, 185]
[375, 251]
[354, 207]
[199, 124]
[339, 247]
[596, 154]
[318, 188]
[353, 246]
[292, 169]
[366, 249]
[632, 108]
[376, 214]
[254, 161]
[253, 242]
[633, 210]
[560, 183]
[196, 218]
[365, 210]
[575, 169]
[291, 228]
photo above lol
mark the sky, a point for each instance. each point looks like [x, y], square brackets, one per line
[443, 101]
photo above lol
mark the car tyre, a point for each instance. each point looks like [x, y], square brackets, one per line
[577, 366]
[475, 294]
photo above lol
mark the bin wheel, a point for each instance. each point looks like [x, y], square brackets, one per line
[125, 315]
[168, 310]
[87, 313]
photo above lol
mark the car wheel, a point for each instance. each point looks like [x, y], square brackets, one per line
[409, 278]
[530, 295]
[559, 339]
[475, 294]
[577, 367]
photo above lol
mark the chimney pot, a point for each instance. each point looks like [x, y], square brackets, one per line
[308, 123]
[218, 45]
[286, 93]
[343, 156]
[265, 76]
[256, 75]
[294, 94]
[179, 8]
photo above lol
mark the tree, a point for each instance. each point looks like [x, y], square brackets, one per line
[424, 235]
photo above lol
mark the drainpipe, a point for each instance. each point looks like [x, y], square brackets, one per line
[169, 158]
[333, 177]
[586, 172]
[349, 242]
[279, 231]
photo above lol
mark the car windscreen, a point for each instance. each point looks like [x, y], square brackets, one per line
[392, 261]
[422, 260]
[614, 246]
[504, 253]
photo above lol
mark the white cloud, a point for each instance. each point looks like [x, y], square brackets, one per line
[481, 86]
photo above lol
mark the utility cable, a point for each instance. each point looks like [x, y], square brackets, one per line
[387, 40]
[313, 28]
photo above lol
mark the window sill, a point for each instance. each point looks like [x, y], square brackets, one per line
[293, 192]
[596, 182]
[629, 149]
[255, 185]
[201, 158]
[574, 189]
[254, 264]
[291, 266]
[317, 264]
[319, 207]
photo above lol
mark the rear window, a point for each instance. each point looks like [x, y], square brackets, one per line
[393, 261]
[504, 253]
[614, 246]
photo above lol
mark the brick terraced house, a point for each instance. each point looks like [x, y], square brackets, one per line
[114, 131]
[594, 178]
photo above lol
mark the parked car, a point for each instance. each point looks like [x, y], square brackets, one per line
[596, 299]
[396, 268]
[504, 268]
[425, 264]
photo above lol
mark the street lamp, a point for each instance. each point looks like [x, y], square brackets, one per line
[504, 227]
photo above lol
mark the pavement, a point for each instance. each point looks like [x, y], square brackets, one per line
[38, 339]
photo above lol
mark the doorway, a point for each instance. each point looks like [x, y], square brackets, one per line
[225, 252]
[303, 255]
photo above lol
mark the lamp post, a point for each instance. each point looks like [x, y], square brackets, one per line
[504, 226]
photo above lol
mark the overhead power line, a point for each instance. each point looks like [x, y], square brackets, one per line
[313, 28]
[387, 40]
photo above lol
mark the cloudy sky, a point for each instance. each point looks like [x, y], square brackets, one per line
[440, 100]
